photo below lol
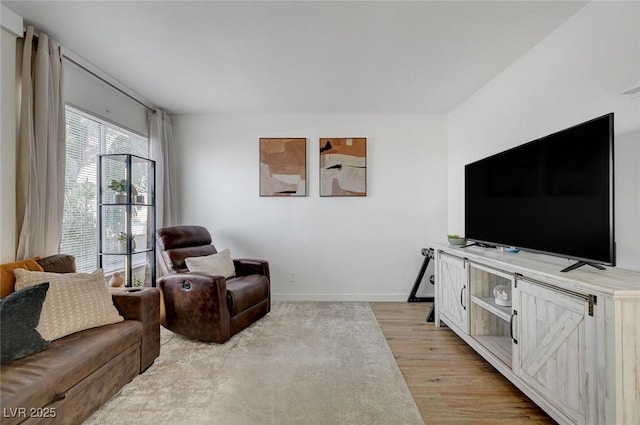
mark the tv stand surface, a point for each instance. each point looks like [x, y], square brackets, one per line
[568, 341]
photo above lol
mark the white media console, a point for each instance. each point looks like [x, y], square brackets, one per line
[569, 341]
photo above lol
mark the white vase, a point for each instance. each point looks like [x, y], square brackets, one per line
[116, 280]
[122, 245]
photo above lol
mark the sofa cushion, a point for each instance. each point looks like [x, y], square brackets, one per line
[219, 264]
[75, 301]
[19, 316]
[8, 278]
[245, 292]
[176, 257]
[58, 263]
[38, 379]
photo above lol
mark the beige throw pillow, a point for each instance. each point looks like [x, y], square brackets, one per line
[219, 264]
[74, 302]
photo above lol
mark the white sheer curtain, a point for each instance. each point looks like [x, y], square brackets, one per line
[41, 149]
[161, 141]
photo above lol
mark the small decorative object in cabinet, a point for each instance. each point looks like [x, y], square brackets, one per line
[126, 217]
[502, 295]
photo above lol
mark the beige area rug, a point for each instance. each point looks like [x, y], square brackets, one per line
[305, 363]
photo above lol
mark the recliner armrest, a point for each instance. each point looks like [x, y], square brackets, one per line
[204, 297]
[195, 281]
[246, 266]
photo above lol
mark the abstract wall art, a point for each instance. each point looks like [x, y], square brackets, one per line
[283, 167]
[343, 167]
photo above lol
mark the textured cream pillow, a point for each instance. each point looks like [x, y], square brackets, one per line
[74, 302]
[219, 264]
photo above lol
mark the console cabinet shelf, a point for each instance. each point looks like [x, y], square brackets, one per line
[489, 304]
[569, 341]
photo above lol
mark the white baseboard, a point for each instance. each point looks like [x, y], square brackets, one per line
[341, 297]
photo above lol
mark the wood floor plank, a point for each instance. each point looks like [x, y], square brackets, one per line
[450, 383]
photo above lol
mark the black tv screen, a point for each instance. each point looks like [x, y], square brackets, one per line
[552, 195]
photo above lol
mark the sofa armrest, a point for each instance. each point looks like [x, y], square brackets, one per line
[246, 266]
[204, 297]
[143, 306]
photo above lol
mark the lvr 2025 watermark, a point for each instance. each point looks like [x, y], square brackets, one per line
[23, 412]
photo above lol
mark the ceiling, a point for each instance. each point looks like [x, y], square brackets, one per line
[358, 57]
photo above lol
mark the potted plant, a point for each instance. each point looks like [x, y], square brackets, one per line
[122, 242]
[455, 239]
[120, 189]
[135, 198]
[137, 283]
[135, 192]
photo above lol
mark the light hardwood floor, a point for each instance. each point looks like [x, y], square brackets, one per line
[450, 383]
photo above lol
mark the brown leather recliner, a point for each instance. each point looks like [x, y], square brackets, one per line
[204, 307]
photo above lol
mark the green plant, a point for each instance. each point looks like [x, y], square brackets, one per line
[122, 236]
[136, 282]
[119, 187]
[454, 236]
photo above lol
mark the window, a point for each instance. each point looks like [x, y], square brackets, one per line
[87, 136]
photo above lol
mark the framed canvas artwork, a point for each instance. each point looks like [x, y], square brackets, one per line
[343, 167]
[283, 167]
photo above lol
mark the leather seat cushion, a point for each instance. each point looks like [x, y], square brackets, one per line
[36, 380]
[246, 291]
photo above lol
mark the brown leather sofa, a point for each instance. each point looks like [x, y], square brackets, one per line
[205, 307]
[78, 373]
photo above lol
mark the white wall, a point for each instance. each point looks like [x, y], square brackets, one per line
[339, 248]
[579, 72]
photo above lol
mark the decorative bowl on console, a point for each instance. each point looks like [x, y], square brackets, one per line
[456, 240]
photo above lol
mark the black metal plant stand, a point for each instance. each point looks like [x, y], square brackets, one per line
[428, 255]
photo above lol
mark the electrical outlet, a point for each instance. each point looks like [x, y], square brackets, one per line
[292, 277]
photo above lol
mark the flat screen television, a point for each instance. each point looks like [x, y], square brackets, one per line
[553, 195]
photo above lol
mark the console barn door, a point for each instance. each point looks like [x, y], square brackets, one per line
[452, 279]
[551, 354]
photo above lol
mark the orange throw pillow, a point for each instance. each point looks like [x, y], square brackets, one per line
[8, 278]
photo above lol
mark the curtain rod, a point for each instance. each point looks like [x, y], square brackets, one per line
[110, 84]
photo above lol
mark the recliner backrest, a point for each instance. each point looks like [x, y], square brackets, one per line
[180, 242]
